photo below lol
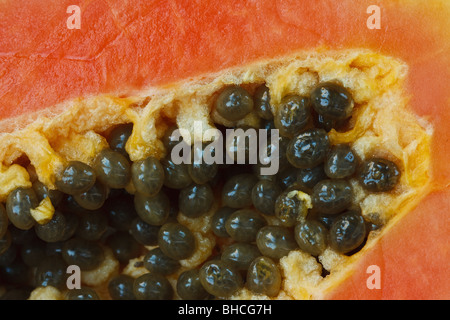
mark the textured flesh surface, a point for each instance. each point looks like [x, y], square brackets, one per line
[43, 63]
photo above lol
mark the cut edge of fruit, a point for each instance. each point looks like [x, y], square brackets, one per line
[381, 126]
[345, 270]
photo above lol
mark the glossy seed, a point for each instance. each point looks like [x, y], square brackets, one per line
[152, 286]
[196, 200]
[156, 261]
[144, 233]
[291, 207]
[94, 198]
[84, 293]
[379, 175]
[18, 205]
[171, 138]
[308, 149]
[374, 221]
[311, 237]
[153, 210]
[76, 178]
[341, 162]
[234, 103]
[119, 136]
[220, 279]
[42, 191]
[322, 122]
[51, 271]
[332, 196]
[243, 225]
[275, 241]
[307, 178]
[176, 241]
[147, 176]
[54, 230]
[325, 219]
[120, 287]
[347, 232]
[70, 205]
[112, 169]
[264, 196]
[176, 176]
[189, 286]
[201, 169]
[71, 226]
[264, 277]
[240, 255]
[92, 225]
[261, 100]
[85, 254]
[219, 220]
[292, 115]
[238, 146]
[236, 193]
[332, 100]
[287, 177]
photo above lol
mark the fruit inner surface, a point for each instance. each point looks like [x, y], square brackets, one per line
[351, 160]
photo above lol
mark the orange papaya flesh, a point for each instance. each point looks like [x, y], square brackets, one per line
[179, 41]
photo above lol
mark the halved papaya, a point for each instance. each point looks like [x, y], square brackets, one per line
[150, 63]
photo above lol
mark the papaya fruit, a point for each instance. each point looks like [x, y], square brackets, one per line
[65, 91]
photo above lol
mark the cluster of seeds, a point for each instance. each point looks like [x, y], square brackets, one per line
[308, 205]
